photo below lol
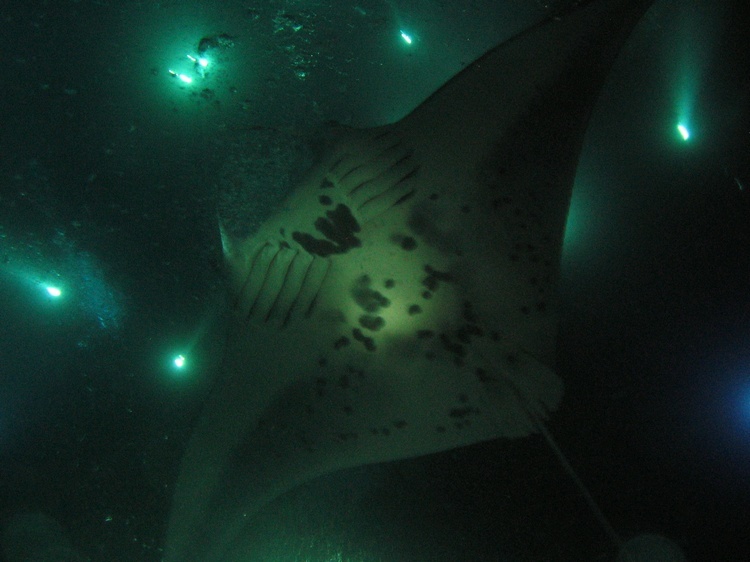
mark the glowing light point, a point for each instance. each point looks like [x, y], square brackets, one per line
[53, 291]
[405, 36]
[184, 77]
[200, 61]
[179, 361]
[684, 132]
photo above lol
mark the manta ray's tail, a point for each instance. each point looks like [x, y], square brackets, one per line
[642, 548]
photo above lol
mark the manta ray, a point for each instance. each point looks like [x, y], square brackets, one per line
[404, 301]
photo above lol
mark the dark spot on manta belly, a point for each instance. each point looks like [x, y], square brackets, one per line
[338, 228]
[325, 200]
[370, 322]
[443, 237]
[343, 341]
[368, 299]
[466, 332]
[434, 277]
[414, 309]
[482, 375]
[367, 341]
[407, 243]
[458, 350]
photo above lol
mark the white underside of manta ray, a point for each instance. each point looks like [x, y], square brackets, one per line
[404, 301]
